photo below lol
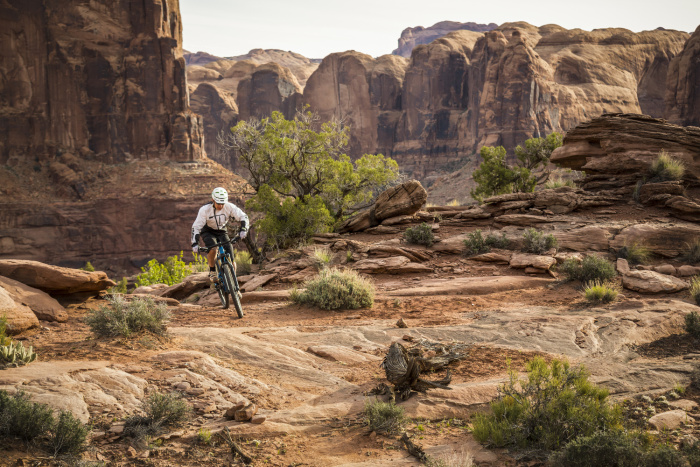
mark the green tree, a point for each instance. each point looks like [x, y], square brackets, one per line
[301, 162]
[496, 177]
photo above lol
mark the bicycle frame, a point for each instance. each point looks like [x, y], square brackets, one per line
[222, 256]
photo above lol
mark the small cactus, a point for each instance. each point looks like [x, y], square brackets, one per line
[15, 354]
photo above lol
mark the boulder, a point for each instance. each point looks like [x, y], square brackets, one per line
[19, 317]
[54, 279]
[42, 304]
[668, 240]
[257, 282]
[668, 420]
[652, 282]
[520, 260]
[589, 238]
[191, 284]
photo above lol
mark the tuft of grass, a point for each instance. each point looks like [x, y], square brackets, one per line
[335, 289]
[600, 292]
[537, 242]
[348, 256]
[454, 202]
[461, 458]
[666, 168]
[634, 253]
[558, 182]
[88, 267]
[420, 235]
[695, 289]
[384, 417]
[592, 268]
[125, 318]
[475, 244]
[692, 324]
[553, 405]
[161, 410]
[204, 436]
[637, 190]
[692, 252]
[322, 258]
[120, 288]
[244, 262]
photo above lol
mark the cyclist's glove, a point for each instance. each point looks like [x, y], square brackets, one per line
[195, 248]
[243, 234]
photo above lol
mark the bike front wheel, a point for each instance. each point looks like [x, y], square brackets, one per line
[223, 296]
[231, 286]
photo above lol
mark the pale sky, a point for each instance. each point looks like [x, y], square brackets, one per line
[316, 28]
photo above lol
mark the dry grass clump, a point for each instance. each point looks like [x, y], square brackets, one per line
[335, 289]
[125, 318]
[161, 410]
[244, 262]
[666, 168]
[322, 258]
[634, 253]
[600, 292]
[384, 417]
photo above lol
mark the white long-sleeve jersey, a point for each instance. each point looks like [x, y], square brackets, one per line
[217, 220]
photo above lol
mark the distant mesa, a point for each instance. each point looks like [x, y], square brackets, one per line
[411, 37]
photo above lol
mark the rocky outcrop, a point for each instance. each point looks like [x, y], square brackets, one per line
[412, 37]
[42, 304]
[19, 316]
[268, 89]
[220, 112]
[54, 279]
[198, 58]
[683, 84]
[107, 80]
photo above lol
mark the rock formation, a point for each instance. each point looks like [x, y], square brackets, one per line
[107, 80]
[412, 37]
[219, 110]
[683, 84]
[269, 88]
[198, 58]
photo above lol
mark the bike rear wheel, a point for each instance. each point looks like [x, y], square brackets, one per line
[231, 286]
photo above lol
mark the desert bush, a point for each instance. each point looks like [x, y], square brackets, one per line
[600, 292]
[592, 268]
[420, 235]
[88, 267]
[559, 182]
[161, 410]
[537, 242]
[321, 258]
[68, 435]
[460, 458]
[692, 324]
[124, 318]
[552, 406]
[244, 262]
[120, 288]
[634, 253]
[336, 289]
[171, 272]
[475, 244]
[695, 289]
[666, 168]
[204, 436]
[384, 417]
[692, 252]
[494, 241]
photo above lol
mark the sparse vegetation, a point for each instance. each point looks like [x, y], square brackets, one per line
[349, 257]
[600, 292]
[692, 324]
[120, 288]
[460, 458]
[475, 244]
[592, 268]
[161, 410]
[692, 252]
[695, 289]
[537, 242]
[244, 262]
[335, 289]
[666, 168]
[88, 267]
[420, 235]
[32, 422]
[204, 436]
[494, 241]
[322, 258]
[171, 272]
[13, 353]
[552, 406]
[634, 253]
[384, 417]
[559, 182]
[125, 318]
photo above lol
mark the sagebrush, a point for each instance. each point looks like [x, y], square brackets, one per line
[692, 324]
[125, 318]
[384, 417]
[420, 235]
[538, 242]
[475, 244]
[161, 410]
[591, 268]
[634, 253]
[335, 289]
[553, 405]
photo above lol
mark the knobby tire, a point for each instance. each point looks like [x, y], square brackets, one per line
[231, 286]
[221, 290]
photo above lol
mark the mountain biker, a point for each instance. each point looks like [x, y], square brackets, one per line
[210, 226]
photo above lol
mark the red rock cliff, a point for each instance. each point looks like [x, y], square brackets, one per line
[103, 78]
[683, 86]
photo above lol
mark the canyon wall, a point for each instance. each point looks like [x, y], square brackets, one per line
[105, 79]
[683, 86]
[412, 37]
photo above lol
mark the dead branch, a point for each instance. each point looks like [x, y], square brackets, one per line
[235, 450]
[414, 449]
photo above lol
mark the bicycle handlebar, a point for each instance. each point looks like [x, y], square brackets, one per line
[217, 245]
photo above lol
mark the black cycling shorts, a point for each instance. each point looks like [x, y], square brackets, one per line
[211, 236]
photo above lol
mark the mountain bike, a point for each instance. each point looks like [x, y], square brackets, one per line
[227, 286]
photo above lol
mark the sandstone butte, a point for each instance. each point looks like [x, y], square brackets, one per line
[102, 159]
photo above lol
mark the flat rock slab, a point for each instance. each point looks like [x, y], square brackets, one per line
[54, 279]
[470, 285]
[342, 354]
[668, 420]
[391, 265]
[522, 260]
[257, 281]
[652, 282]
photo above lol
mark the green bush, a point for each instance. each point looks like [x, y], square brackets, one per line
[695, 289]
[173, 271]
[552, 406]
[244, 262]
[120, 288]
[592, 268]
[692, 252]
[204, 436]
[88, 267]
[384, 417]
[666, 168]
[68, 435]
[692, 324]
[291, 222]
[537, 242]
[124, 318]
[634, 253]
[475, 244]
[600, 292]
[161, 410]
[321, 258]
[334, 289]
[420, 234]
[603, 449]
[495, 241]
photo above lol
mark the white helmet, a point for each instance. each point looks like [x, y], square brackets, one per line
[220, 195]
